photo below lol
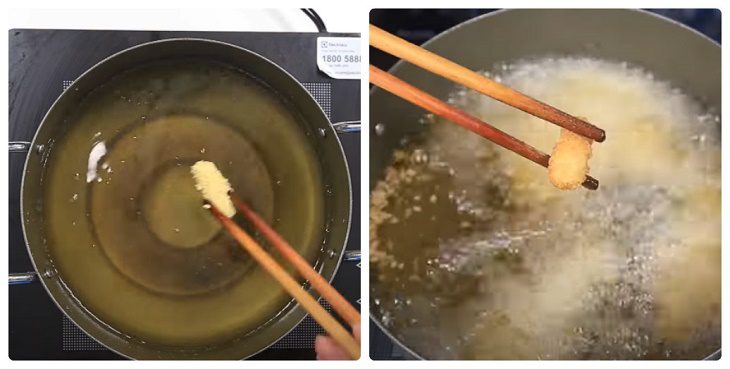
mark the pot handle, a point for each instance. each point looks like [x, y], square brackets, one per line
[22, 278]
[27, 277]
[19, 146]
[352, 255]
[347, 126]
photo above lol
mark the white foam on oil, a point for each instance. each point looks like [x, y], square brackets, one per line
[97, 152]
[601, 274]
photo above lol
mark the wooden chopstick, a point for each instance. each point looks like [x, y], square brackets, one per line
[338, 303]
[441, 66]
[420, 98]
[330, 325]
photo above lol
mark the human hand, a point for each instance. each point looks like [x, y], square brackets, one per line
[328, 349]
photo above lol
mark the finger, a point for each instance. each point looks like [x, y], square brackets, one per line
[356, 332]
[328, 349]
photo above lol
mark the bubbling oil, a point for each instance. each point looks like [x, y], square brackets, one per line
[475, 255]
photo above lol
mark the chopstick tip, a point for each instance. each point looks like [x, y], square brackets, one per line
[590, 183]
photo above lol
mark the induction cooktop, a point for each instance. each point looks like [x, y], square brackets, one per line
[43, 62]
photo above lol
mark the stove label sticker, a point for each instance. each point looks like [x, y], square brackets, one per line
[339, 57]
